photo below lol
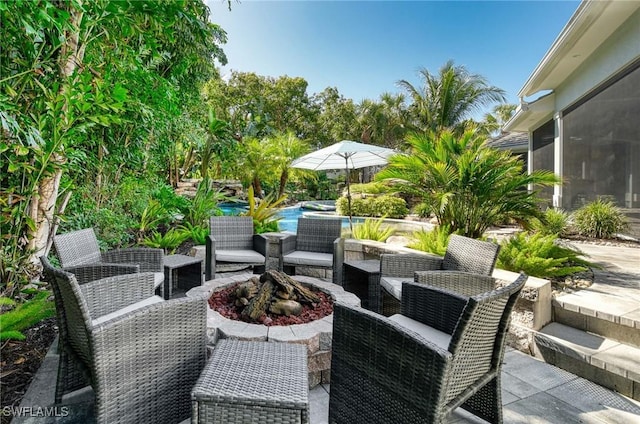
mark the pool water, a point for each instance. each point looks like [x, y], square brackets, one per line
[290, 215]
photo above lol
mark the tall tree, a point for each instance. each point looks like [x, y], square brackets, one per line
[284, 149]
[446, 99]
[68, 68]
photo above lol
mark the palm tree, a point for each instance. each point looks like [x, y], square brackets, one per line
[445, 100]
[495, 120]
[284, 149]
[468, 185]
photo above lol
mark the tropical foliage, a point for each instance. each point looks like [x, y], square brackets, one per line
[372, 229]
[448, 99]
[541, 256]
[599, 219]
[468, 185]
[434, 241]
[554, 221]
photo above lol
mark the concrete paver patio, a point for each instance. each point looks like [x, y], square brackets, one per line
[533, 392]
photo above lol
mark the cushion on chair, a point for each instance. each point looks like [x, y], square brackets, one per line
[148, 301]
[298, 257]
[437, 337]
[158, 279]
[242, 256]
[393, 285]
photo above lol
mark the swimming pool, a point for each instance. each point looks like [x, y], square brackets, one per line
[290, 215]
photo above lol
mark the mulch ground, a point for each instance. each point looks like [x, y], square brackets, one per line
[20, 360]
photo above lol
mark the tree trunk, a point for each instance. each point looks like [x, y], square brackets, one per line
[284, 176]
[44, 201]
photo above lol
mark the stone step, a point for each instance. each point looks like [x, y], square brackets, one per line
[610, 315]
[602, 360]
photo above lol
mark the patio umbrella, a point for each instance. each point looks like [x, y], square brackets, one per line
[345, 155]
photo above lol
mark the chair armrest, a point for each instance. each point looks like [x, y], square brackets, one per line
[150, 260]
[210, 258]
[398, 265]
[465, 283]
[260, 244]
[433, 306]
[368, 348]
[110, 294]
[288, 244]
[87, 273]
[162, 345]
[338, 260]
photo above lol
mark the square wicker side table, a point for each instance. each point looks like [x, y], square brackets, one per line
[253, 382]
[363, 279]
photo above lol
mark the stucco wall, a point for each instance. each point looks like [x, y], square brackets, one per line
[622, 48]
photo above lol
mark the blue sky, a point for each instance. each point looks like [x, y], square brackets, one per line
[364, 47]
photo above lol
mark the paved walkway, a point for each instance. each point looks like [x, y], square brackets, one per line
[533, 392]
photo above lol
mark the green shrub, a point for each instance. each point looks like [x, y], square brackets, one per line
[391, 206]
[374, 187]
[434, 241]
[359, 207]
[554, 221]
[423, 210]
[197, 234]
[540, 255]
[372, 229]
[171, 201]
[204, 204]
[599, 219]
[25, 315]
[168, 241]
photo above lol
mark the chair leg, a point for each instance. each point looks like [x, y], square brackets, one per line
[71, 376]
[486, 403]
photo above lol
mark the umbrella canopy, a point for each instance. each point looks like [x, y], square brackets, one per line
[344, 155]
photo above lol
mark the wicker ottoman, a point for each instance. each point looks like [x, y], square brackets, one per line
[253, 382]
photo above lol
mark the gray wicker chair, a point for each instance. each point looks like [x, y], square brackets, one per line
[79, 253]
[444, 351]
[464, 255]
[141, 355]
[318, 243]
[231, 242]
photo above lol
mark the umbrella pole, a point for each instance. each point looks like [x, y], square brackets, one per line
[346, 162]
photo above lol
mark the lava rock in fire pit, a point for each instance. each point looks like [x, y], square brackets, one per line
[275, 292]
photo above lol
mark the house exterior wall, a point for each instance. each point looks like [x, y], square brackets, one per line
[621, 49]
[607, 151]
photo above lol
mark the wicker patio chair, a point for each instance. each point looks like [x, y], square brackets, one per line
[463, 255]
[317, 243]
[140, 354]
[231, 242]
[444, 351]
[80, 255]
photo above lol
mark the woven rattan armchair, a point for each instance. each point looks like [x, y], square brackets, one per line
[463, 255]
[231, 242]
[140, 354]
[444, 351]
[317, 243]
[80, 255]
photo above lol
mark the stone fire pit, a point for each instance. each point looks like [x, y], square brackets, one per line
[316, 335]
